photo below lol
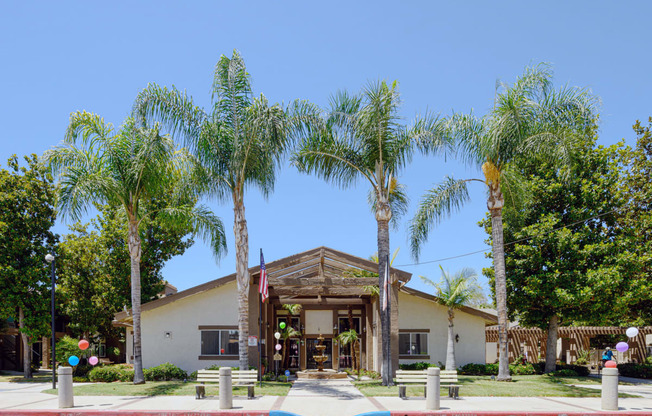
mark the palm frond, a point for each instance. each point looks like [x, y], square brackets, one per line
[438, 203]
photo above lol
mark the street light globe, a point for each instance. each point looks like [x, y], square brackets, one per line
[49, 258]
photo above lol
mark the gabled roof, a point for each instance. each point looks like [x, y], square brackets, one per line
[321, 264]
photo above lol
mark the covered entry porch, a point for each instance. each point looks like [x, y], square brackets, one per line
[336, 292]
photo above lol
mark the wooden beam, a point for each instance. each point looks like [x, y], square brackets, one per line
[318, 281]
[316, 291]
[324, 301]
[289, 270]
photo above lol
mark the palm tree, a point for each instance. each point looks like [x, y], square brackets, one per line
[124, 168]
[453, 292]
[239, 143]
[528, 118]
[364, 138]
[351, 337]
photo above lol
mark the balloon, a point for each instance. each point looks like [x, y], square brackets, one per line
[277, 335]
[73, 360]
[611, 364]
[278, 347]
[83, 344]
[282, 325]
[222, 351]
[622, 346]
[632, 332]
[93, 360]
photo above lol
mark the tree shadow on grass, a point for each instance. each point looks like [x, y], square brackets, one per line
[163, 389]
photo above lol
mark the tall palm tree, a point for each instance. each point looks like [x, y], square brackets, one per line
[528, 118]
[364, 138]
[454, 292]
[94, 164]
[239, 142]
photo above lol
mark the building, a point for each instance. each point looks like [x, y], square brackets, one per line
[198, 327]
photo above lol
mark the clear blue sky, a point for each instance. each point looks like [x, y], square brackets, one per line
[59, 57]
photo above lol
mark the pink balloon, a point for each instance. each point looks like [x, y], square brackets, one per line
[611, 364]
[622, 346]
[278, 347]
[93, 360]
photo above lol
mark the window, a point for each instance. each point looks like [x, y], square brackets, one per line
[344, 324]
[294, 322]
[223, 342]
[413, 343]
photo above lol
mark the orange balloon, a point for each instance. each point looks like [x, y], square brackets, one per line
[611, 364]
[83, 344]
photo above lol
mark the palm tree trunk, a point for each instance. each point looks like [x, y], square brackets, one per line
[450, 350]
[551, 345]
[27, 357]
[134, 254]
[383, 254]
[242, 278]
[495, 204]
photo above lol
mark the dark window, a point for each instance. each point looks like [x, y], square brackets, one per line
[413, 343]
[219, 342]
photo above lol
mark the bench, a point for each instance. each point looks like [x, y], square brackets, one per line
[238, 378]
[446, 379]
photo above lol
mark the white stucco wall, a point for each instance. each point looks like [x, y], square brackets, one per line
[182, 318]
[418, 313]
[319, 322]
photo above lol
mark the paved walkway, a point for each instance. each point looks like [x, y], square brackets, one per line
[311, 398]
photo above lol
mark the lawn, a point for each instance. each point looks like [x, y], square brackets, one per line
[38, 378]
[170, 388]
[521, 386]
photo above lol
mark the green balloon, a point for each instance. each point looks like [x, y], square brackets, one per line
[282, 325]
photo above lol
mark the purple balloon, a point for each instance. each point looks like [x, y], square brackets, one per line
[622, 346]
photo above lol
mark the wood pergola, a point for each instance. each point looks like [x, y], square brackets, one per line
[533, 340]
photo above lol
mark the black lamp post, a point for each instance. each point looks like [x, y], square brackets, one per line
[50, 259]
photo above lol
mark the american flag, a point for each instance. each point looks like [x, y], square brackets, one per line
[262, 285]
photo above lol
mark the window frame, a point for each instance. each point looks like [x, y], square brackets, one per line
[412, 341]
[221, 332]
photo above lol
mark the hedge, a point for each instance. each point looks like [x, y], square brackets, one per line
[122, 372]
[519, 369]
[635, 370]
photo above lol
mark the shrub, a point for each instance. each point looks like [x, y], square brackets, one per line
[473, 369]
[580, 370]
[522, 369]
[635, 370]
[421, 365]
[66, 348]
[164, 372]
[111, 373]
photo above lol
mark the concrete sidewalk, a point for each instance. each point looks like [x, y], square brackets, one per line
[337, 398]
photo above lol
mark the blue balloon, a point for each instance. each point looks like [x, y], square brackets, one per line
[73, 360]
[287, 373]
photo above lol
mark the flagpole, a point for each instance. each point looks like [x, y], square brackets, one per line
[260, 329]
[388, 317]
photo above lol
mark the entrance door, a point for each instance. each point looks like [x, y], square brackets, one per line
[311, 351]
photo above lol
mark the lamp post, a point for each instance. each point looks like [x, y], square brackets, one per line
[50, 259]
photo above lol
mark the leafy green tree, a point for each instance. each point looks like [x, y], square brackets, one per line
[96, 165]
[636, 222]
[366, 139]
[239, 144]
[26, 216]
[564, 267]
[454, 292]
[528, 119]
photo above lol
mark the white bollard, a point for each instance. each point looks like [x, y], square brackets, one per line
[226, 388]
[66, 398]
[609, 389]
[432, 389]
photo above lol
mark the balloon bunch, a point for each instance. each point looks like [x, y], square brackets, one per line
[73, 360]
[622, 346]
[277, 335]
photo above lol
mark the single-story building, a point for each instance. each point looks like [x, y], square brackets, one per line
[198, 327]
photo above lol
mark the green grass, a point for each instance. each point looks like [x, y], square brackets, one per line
[170, 388]
[38, 378]
[521, 386]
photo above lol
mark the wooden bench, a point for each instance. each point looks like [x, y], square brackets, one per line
[238, 378]
[446, 379]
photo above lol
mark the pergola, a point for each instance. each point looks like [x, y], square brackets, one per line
[533, 340]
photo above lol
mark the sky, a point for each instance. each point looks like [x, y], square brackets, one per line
[61, 57]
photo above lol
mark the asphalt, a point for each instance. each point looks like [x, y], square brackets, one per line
[319, 398]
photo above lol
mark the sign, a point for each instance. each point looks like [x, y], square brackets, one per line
[277, 357]
[253, 341]
[287, 373]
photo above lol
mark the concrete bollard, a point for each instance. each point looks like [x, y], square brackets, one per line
[66, 398]
[432, 389]
[609, 389]
[226, 388]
